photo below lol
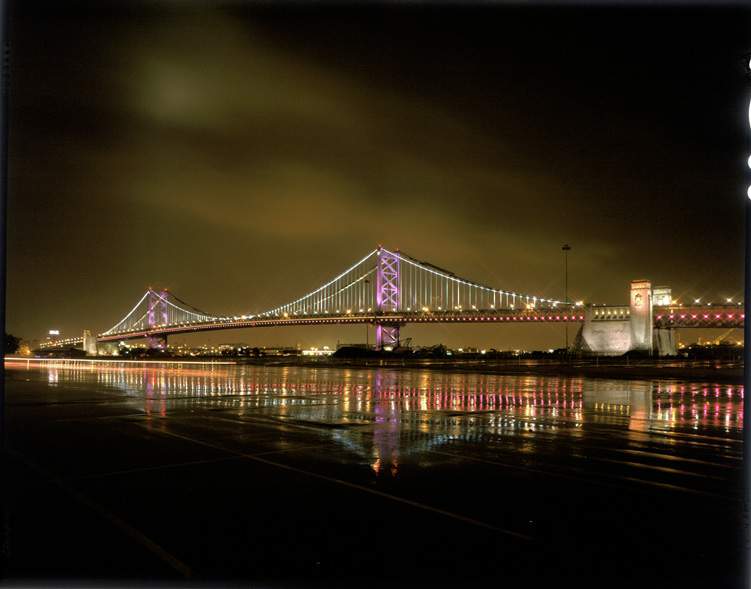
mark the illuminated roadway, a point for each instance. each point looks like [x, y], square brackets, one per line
[726, 316]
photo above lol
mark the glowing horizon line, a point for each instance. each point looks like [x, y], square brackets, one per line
[91, 360]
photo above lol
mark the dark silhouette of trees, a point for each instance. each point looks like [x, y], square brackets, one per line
[11, 343]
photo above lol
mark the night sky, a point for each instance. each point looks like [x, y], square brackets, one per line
[241, 155]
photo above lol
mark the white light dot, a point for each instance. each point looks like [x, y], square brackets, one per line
[749, 192]
[749, 161]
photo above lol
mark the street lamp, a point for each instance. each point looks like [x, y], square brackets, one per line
[566, 248]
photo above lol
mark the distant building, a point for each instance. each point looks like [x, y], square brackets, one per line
[325, 351]
[280, 352]
[662, 296]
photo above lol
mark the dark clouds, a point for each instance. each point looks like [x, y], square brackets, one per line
[222, 151]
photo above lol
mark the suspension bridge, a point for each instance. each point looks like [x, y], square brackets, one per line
[390, 289]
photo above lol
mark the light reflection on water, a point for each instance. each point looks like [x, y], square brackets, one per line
[407, 409]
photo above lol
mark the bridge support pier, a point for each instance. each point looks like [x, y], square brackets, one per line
[89, 343]
[387, 335]
[157, 342]
[664, 341]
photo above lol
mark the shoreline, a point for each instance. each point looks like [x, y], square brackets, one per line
[689, 370]
[719, 371]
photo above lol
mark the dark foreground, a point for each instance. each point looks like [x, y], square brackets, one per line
[294, 477]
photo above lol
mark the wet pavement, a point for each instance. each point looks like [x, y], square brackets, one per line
[301, 476]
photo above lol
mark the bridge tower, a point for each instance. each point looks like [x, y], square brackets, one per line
[388, 298]
[164, 315]
[641, 315]
[157, 301]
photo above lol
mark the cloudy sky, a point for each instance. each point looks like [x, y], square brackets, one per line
[241, 154]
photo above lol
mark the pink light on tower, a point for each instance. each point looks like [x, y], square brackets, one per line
[388, 296]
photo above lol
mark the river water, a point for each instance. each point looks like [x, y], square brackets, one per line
[430, 439]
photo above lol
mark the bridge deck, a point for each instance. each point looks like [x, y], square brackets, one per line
[722, 316]
[496, 316]
[726, 316]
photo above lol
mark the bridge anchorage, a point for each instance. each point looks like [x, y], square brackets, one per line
[390, 289]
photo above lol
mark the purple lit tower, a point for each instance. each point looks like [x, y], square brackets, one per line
[163, 307]
[157, 300]
[153, 301]
[388, 298]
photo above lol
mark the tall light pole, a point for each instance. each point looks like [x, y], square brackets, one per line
[566, 248]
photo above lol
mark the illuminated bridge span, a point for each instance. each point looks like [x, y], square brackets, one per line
[385, 288]
[390, 289]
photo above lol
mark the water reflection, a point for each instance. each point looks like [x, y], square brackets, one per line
[383, 415]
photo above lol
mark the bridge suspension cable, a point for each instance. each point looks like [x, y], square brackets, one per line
[349, 291]
[128, 315]
[424, 286]
[383, 281]
[413, 286]
[155, 309]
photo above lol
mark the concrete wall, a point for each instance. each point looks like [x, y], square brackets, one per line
[613, 330]
[604, 337]
[664, 342]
